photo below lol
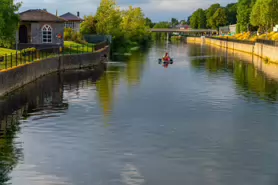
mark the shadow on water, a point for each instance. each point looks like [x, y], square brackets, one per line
[250, 82]
[42, 96]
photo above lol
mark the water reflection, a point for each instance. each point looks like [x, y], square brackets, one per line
[41, 99]
[249, 80]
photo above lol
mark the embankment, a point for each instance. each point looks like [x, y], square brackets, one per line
[261, 50]
[17, 77]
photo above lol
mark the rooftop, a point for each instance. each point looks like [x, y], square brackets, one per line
[71, 17]
[39, 15]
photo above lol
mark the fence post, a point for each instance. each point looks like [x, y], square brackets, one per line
[6, 61]
[70, 49]
[11, 60]
[77, 49]
[16, 59]
[87, 49]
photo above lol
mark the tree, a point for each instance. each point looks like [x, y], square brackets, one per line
[183, 22]
[160, 25]
[198, 19]
[149, 22]
[174, 22]
[244, 9]
[108, 17]
[9, 20]
[264, 14]
[88, 26]
[219, 18]
[232, 13]
[134, 25]
[210, 12]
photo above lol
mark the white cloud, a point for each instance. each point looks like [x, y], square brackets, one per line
[155, 9]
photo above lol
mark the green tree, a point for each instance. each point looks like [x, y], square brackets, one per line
[149, 22]
[183, 22]
[264, 14]
[134, 25]
[219, 18]
[9, 20]
[88, 26]
[108, 17]
[174, 22]
[198, 19]
[163, 24]
[244, 9]
[232, 13]
[210, 12]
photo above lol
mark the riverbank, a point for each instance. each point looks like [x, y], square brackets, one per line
[17, 77]
[266, 52]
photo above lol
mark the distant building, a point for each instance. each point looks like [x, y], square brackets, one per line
[182, 26]
[225, 30]
[72, 21]
[275, 29]
[40, 29]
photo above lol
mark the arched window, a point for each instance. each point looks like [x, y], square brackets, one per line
[46, 34]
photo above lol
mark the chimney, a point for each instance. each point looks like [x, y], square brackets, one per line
[78, 14]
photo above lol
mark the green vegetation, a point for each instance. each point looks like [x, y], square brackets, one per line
[8, 22]
[156, 36]
[4, 51]
[249, 15]
[127, 27]
[88, 26]
[73, 47]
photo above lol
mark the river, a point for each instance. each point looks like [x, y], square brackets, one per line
[209, 118]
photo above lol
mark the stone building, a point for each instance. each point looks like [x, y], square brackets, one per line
[40, 29]
[72, 21]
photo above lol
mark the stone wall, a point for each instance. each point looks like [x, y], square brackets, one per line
[16, 77]
[262, 50]
[57, 28]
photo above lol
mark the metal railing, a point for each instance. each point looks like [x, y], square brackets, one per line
[11, 60]
[235, 40]
[268, 42]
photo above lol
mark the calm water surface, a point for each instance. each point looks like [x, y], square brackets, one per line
[208, 119]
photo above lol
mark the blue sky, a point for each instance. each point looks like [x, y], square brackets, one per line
[157, 10]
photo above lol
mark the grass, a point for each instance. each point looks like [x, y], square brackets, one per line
[12, 60]
[4, 51]
[73, 47]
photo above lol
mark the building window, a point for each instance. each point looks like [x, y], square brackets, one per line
[46, 34]
[69, 25]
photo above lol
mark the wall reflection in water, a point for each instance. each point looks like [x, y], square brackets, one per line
[41, 97]
[250, 80]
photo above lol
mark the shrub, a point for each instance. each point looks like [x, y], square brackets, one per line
[28, 50]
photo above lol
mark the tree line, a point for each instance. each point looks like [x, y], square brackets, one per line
[249, 15]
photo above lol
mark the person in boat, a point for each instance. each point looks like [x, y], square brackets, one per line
[166, 57]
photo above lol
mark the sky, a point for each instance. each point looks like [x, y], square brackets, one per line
[156, 10]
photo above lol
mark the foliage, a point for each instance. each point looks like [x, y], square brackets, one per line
[219, 18]
[198, 19]
[183, 22]
[149, 22]
[88, 26]
[71, 35]
[264, 14]
[128, 28]
[9, 21]
[232, 13]
[109, 18]
[209, 14]
[174, 22]
[244, 9]
[164, 24]
[28, 50]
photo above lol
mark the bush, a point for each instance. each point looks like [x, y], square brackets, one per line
[71, 35]
[28, 50]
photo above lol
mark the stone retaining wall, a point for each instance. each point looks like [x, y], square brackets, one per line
[262, 50]
[17, 77]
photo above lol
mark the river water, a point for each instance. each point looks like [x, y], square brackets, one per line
[209, 118]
